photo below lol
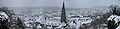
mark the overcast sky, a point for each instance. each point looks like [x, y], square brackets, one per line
[57, 3]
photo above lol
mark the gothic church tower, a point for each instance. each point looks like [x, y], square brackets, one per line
[63, 14]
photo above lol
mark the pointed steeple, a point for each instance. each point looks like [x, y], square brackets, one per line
[63, 14]
[63, 7]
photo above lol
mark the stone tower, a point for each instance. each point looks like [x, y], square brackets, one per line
[63, 14]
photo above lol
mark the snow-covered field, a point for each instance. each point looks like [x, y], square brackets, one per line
[51, 16]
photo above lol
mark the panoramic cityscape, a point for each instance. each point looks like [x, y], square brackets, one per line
[59, 14]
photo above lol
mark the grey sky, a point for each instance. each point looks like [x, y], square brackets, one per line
[57, 3]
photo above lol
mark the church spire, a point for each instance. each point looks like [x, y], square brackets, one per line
[63, 7]
[63, 14]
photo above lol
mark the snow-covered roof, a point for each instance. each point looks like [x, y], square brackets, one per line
[4, 15]
[116, 18]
